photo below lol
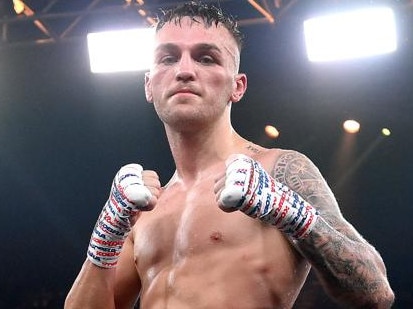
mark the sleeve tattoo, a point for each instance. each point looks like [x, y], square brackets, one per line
[350, 268]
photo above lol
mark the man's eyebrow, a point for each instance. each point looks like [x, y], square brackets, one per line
[166, 46]
[207, 46]
[200, 46]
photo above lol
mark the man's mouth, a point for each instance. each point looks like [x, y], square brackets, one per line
[184, 91]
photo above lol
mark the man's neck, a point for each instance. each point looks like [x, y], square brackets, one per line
[196, 153]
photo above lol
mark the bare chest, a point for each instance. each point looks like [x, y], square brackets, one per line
[187, 223]
[187, 244]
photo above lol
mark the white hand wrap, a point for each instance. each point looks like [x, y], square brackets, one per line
[127, 197]
[250, 189]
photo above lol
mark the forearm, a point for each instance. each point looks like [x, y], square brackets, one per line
[102, 281]
[351, 270]
[93, 288]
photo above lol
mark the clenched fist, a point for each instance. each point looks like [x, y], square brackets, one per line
[247, 187]
[133, 190]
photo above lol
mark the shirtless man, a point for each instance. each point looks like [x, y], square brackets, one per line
[226, 231]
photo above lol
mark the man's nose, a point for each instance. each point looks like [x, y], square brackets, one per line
[185, 69]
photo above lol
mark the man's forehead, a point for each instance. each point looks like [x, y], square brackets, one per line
[187, 33]
[195, 29]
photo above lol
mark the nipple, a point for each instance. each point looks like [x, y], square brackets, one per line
[216, 236]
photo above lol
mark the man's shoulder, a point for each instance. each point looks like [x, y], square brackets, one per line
[277, 154]
[270, 157]
[281, 159]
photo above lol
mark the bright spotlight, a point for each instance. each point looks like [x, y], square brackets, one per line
[352, 34]
[18, 6]
[351, 126]
[120, 51]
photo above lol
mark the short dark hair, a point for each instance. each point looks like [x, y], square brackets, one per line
[210, 14]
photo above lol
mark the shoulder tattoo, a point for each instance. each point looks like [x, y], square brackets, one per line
[301, 175]
[298, 172]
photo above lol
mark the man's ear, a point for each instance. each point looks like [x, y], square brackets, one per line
[240, 87]
[148, 88]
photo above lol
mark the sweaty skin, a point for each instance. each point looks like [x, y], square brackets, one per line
[191, 254]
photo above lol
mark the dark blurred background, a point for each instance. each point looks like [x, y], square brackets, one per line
[64, 132]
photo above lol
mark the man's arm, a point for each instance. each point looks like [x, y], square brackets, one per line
[108, 277]
[97, 287]
[93, 288]
[350, 269]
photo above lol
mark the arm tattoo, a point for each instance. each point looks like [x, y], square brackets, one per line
[298, 173]
[346, 264]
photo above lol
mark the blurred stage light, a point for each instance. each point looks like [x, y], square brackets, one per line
[351, 126]
[18, 6]
[385, 131]
[271, 131]
[351, 34]
[120, 51]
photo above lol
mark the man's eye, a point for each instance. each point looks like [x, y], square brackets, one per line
[167, 59]
[206, 59]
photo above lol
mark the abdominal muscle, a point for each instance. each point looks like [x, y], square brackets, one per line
[232, 275]
[232, 284]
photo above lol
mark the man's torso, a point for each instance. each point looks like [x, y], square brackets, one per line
[191, 254]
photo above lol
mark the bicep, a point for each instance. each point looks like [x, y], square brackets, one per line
[300, 174]
[127, 283]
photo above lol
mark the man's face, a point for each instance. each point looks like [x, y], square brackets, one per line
[195, 73]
